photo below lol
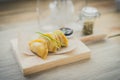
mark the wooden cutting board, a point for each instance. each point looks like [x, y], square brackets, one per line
[33, 64]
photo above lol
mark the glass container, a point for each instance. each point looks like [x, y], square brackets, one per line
[57, 14]
[88, 16]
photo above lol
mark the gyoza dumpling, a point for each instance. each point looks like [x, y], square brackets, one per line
[52, 44]
[62, 38]
[57, 40]
[39, 46]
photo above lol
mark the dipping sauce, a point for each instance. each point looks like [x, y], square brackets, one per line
[67, 31]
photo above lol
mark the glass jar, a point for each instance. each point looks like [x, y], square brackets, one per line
[59, 14]
[62, 12]
[88, 16]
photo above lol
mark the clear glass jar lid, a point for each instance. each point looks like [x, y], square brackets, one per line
[90, 12]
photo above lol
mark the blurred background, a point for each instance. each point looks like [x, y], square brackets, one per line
[17, 11]
[22, 15]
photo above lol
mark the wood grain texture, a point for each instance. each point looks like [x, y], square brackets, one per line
[103, 65]
[33, 64]
[104, 62]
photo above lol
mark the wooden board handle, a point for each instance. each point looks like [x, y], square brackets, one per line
[93, 38]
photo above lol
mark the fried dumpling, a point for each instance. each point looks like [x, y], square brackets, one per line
[62, 38]
[39, 46]
[52, 44]
[48, 42]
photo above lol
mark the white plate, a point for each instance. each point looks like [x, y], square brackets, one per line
[71, 46]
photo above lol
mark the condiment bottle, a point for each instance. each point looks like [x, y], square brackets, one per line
[88, 16]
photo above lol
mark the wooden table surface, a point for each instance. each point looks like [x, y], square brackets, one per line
[105, 58]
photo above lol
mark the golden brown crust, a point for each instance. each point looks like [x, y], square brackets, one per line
[52, 47]
[48, 42]
[62, 38]
[39, 47]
